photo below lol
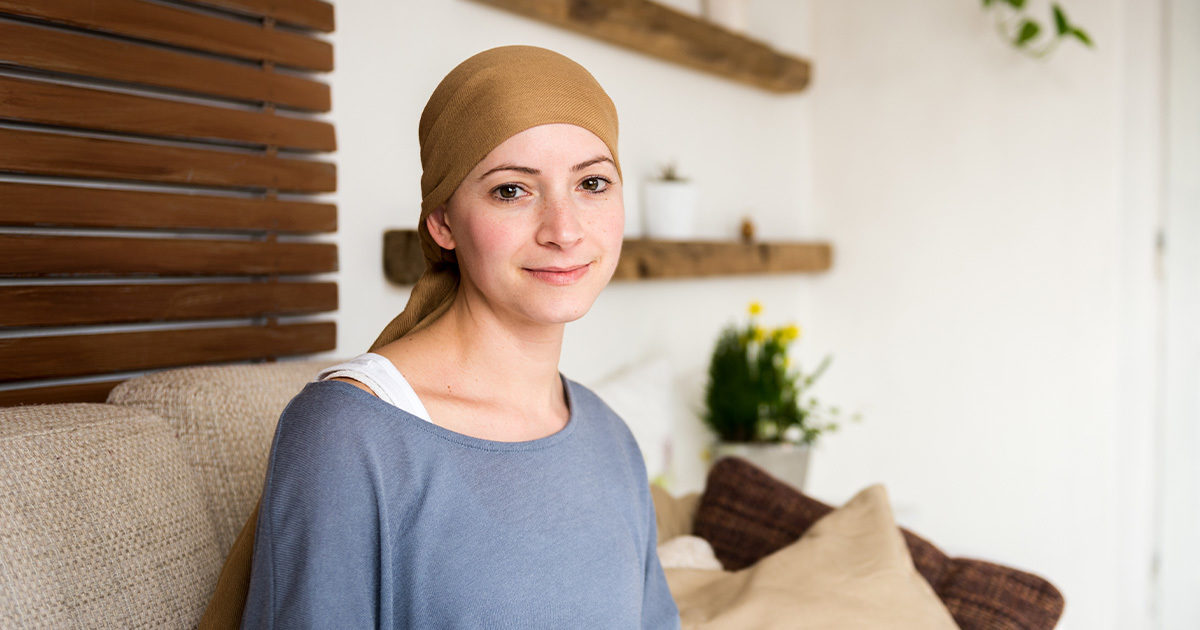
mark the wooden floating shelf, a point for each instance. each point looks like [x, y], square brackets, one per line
[645, 259]
[678, 37]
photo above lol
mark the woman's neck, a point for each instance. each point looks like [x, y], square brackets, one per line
[479, 356]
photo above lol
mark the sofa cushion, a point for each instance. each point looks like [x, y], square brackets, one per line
[673, 515]
[225, 418]
[849, 570]
[101, 521]
[747, 514]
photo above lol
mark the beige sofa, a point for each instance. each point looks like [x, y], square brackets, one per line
[119, 515]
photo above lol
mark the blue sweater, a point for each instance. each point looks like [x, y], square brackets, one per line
[373, 517]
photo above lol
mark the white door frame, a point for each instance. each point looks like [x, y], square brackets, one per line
[1139, 396]
[1178, 529]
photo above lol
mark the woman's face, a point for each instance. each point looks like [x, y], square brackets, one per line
[537, 224]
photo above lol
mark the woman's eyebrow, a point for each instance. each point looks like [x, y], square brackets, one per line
[596, 160]
[510, 167]
[533, 171]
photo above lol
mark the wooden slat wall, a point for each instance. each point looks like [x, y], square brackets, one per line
[177, 26]
[156, 210]
[44, 48]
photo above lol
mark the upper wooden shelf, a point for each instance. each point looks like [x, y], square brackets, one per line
[644, 259]
[672, 35]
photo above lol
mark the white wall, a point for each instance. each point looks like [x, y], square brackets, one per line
[974, 199]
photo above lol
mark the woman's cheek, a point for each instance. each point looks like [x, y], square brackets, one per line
[493, 238]
[614, 227]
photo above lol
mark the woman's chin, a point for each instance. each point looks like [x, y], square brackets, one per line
[557, 309]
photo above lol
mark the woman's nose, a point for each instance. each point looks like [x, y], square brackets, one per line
[560, 223]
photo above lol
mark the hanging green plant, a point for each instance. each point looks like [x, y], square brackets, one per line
[1017, 27]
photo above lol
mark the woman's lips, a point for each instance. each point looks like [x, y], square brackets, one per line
[559, 275]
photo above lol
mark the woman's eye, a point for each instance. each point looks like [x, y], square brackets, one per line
[508, 192]
[595, 184]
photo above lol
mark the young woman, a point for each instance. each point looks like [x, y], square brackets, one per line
[452, 477]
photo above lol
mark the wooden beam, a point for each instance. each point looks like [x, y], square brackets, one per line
[313, 14]
[671, 35]
[40, 102]
[37, 153]
[24, 255]
[403, 261]
[68, 52]
[41, 205]
[27, 358]
[177, 26]
[77, 304]
[643, 259]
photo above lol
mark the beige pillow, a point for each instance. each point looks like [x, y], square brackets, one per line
[674, 515]
[851, 569]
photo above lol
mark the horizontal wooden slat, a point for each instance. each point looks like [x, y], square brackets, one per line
[312, 14]
[37, 256]
[180, 27]
[24, 358]
[56, 50]
[39, 153]
[65, 305]
[35, 205]
[96, 392]
[25, 100]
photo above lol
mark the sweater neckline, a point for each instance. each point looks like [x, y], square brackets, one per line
[462, 439]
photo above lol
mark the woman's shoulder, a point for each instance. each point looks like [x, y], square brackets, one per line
[331, 408]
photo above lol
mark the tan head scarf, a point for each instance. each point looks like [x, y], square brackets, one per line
[484, 101]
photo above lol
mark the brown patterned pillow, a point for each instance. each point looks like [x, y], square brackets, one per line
[746, 514]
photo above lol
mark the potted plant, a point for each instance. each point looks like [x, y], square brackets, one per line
[670, 206]
[757, 401]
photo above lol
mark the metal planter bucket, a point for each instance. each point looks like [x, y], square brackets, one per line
[784, 461]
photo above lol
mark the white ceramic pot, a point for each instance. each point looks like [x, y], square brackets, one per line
[786, 462]
[732, 14]
[669, 209]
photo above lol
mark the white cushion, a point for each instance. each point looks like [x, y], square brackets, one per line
[643, 395]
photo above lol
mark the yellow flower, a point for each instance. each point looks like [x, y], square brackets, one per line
[756, 333]
[755, 308]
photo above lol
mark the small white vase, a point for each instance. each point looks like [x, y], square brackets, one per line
[784, 461]
[669, 209]
[732, 14]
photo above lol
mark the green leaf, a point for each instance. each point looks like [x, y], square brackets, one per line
[1029, 30]
[1082, 36]
[1060, 20]
[987, 3]
[1016, 4]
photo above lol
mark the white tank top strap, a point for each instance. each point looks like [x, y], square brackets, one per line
[382, 377]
